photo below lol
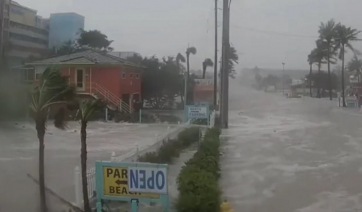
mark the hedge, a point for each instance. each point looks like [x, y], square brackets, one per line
[172, 148]
[198, 180]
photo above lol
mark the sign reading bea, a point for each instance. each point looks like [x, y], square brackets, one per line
[197, 112]
[116, 183]
[150, 180]
[132, 182]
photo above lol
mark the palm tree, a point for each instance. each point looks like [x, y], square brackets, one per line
[327, 33]
[311, 60]
[52, 90]
[85, 111]
[207, 63]
[189, 50]
[180, 58]
[344, 37]
[355, 65]
[319, 56]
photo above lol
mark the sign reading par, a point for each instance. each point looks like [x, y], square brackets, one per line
[116, 183]
[132, 182]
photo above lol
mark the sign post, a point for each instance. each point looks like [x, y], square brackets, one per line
[132, 182]
[198, 111]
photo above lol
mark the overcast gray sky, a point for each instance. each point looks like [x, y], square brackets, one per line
[264, 32]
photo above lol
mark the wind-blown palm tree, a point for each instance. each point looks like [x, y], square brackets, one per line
[85, 111]
[355, 65]
[327, 33]
[319, 56]
[189, 50]
[52, 90]
[344, 37]
[207, 63]
[311, 61]
[181, 58]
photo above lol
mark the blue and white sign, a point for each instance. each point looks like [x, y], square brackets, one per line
[197, 112]
[132, 182]
[147, 180]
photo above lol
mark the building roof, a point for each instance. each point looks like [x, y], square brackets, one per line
[84, 58]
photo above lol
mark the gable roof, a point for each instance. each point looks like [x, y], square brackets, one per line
[84, 57]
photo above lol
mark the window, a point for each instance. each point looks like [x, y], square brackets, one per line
[137, 76]
[123, 75]
[80, 79]
[131, 75]
[27, 38]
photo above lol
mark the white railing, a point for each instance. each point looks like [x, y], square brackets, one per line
[110, 97]
[131, 156]
[212, 119]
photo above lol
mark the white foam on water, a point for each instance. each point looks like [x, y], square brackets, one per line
[338, 201]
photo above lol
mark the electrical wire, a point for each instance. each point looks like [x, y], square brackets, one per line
[275, 33]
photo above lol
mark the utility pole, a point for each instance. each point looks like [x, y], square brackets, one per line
[225, 65]
[2, 6]
[215, 60]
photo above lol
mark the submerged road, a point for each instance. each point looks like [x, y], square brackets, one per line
[291, 155]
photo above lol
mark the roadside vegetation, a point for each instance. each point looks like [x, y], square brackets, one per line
[198, 180]
[172, 148]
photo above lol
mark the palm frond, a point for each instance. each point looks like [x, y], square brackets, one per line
[87, 107]
[191, 50]
[52, 90]
[180, 58]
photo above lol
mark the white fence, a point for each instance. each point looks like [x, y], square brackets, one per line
[131, 156]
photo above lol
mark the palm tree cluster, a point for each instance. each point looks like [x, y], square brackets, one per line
[334, 39]
[54, 93]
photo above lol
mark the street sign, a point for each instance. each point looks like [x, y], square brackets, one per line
[116, 183]
[132, 182]
[197, 112]
[150, 180]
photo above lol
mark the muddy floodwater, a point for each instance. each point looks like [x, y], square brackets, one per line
[291, 155]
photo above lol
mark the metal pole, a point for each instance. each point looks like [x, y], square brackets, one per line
[215, 60]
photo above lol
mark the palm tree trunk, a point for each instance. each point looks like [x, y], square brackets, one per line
[203, 73]
[310, 80]
[83, 159]
[179, 71]
[40, 128]
[343, 97]
[318, 80]
[329, 74]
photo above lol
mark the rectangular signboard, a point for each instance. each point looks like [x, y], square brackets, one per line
[115, 183]
[148, 179]
[148, 182]
[196, 112]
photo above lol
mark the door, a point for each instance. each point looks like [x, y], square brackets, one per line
[79, 77]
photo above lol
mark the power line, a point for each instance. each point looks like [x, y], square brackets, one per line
[276, 33]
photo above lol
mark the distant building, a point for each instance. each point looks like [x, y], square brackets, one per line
[4, 26]
[64, 27]
[28, 35]
[204, 90]
[95, 74]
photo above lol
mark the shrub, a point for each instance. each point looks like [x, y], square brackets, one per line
[172, 148]
[198, 180]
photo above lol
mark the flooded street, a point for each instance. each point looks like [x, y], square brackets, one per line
[19, 156]
[285, 155]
